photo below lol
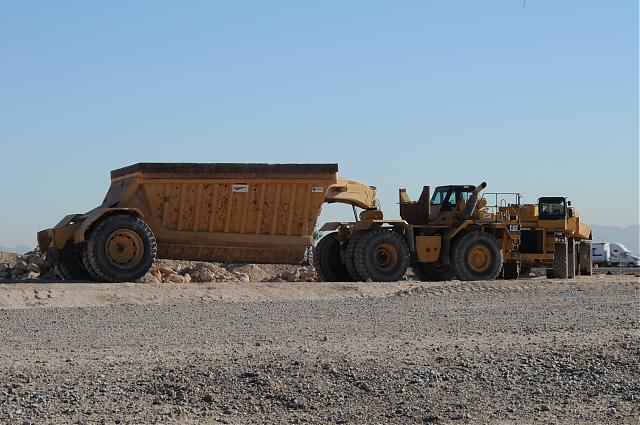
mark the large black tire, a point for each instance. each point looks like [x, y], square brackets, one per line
[121, 248]
[87, 266]
[476, 255]
[69, 264]
[511, 270]
[571, 258]
[327, 260]
[432, 272]
[350, 263]
[560, 269]
[585, 260]
[382, 255]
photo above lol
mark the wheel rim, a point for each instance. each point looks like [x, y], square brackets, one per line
[124, 248]
[385, 257]
[479, 258]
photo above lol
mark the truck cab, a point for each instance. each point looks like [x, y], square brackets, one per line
[447, 205]
[552, 207]
[621, 256]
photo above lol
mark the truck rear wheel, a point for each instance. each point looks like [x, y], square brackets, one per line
[585, 258]
[571, 258]
[350, 263]
[327, 261]
[382, 255]
[476, 256]
[121, 248]
[560, 269]
[511, 269]
[69, 265]
[432, 272]
[87, 266]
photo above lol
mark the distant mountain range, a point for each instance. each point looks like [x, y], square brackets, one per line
[19, 249]
[628, 236]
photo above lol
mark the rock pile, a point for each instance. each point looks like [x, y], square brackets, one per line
[166, 271]
[34, 265]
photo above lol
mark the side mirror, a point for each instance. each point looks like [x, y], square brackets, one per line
[569, 203]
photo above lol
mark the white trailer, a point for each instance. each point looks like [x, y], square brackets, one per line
[606, 254]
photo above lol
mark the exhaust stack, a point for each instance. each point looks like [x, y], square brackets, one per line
[470, 208]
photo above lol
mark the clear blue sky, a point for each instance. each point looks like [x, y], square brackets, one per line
[541, 99]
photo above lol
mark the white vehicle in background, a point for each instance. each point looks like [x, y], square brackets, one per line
[606, 254]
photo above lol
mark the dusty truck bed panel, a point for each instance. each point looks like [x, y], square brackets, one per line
[264, 213]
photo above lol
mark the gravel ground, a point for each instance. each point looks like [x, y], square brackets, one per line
[485, 352]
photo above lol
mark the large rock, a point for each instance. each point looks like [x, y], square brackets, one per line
[150, 278]
[38, 258]
[242, 277]
[206, 276]
[29, 276]
[291, 275]
[21, 265]
[175, 278]
[33, 267]
[166, 271]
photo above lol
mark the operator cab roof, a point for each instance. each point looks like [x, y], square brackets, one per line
[463, 187]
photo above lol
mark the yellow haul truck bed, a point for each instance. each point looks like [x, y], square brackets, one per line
[262, 213]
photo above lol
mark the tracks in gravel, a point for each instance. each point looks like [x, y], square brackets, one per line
[458, 287]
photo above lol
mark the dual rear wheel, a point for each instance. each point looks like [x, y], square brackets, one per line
[380, 255]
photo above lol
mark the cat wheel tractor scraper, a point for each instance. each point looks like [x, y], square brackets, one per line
[240, 213]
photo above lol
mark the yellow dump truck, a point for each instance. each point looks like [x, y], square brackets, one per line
[552, 234]
[262, 213]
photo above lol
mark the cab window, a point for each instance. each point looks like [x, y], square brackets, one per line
[552, 209]
[453, 199]
[438, 196]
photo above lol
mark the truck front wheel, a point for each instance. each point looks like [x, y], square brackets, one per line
[560, 269]
[476, 256]
[585, 258]
[121, 248]
[382, 255]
